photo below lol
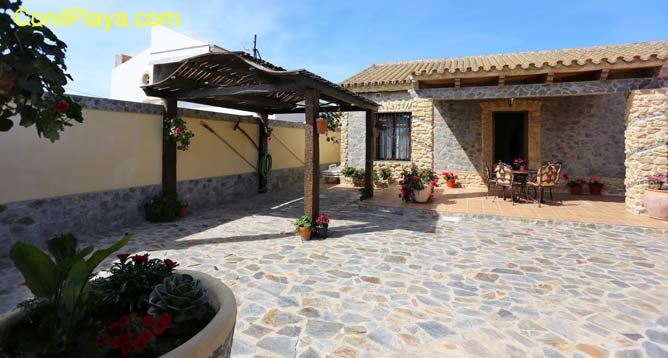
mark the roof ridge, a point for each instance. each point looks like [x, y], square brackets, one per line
[405, 62]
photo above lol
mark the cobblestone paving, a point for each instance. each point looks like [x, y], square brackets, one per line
[408, 283]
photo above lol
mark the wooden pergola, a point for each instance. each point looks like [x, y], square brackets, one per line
[239, 81]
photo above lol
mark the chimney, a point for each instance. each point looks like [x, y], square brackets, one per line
[121, 59]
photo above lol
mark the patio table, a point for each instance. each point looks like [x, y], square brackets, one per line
[522, 177]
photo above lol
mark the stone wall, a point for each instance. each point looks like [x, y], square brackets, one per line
[35, 221]
[585, 134]
[646, 142]
[422, 114]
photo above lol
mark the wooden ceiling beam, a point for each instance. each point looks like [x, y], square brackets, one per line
[604, 74]
[234, 91]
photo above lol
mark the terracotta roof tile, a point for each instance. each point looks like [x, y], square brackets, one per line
[401, 72]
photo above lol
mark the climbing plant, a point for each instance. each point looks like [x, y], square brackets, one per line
[175, 129]
[32, 77]
[333, 124]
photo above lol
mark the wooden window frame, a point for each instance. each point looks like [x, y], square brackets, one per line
[395, 115]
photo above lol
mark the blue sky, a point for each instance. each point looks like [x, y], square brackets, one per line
[338, 38]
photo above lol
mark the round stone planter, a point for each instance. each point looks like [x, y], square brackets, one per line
[422, 196]
[215, 340]
[656, 203]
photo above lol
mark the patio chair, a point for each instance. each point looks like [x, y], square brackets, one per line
[547, 177]
[505, 179]
[490, 178]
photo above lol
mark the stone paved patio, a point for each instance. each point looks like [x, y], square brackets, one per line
[411, 283]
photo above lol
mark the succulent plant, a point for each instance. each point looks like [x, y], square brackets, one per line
[181, 296]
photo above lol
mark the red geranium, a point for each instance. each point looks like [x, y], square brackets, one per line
[61, 106]
[148, 321]
[140, 258]
[123, 256]
[170, 263]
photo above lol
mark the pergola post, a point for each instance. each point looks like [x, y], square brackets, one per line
[311, 155]
[263, 146]
[368, 163]
[169, 111]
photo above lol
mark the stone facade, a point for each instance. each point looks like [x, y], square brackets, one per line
[646, 142]
[35, 221]
[583, 132]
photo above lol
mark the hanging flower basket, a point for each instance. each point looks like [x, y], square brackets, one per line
[321, 125]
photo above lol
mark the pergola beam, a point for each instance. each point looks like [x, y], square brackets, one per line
[339, 95]
[268, 88]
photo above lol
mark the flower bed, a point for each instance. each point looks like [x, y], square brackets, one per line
[140, 307]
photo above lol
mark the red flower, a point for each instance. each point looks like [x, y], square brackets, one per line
[149, 321]
[170, 263]
[166, 318]
[118, 341]
[146, 335]
[61, 106]
[115, 328]
[269, 139]
[140, 344]
[140, 258]
[124, 320]
[127, 347]
[123, 257]
[565, 176]
[162, 324]
[103, 341]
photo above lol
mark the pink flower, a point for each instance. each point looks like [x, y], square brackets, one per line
[176, 131]
[431, 196]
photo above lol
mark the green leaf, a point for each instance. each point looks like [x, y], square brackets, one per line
[100, 255]
[37, 268]
[73, 286]
[63, 247]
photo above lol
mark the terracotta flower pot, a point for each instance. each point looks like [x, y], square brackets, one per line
[595, 190]
[305, 233]
[576, 190]
[523, 168]
[358, 182]
[183, 211]
[376, 132]
[656, 203]
[321, 125]
[451, 183]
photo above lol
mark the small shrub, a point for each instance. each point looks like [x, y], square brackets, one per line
[161, 208]
[303, 221]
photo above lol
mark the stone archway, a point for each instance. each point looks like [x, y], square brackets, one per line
[532, 107]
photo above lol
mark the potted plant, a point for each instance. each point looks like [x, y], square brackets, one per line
[175, 130]
[520, 164]
[321, 225]
[161, 208]
[595, 186]
[321, 125]
[347, 173]
[450, 179]
[333, 120]
[303, 227]
[182, 207]
[358, 177]
[380, 125]
[381, 177]
[140, 307]
[575, 185]
[656, 196]
[417, 184]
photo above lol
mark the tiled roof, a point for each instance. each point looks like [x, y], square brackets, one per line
[603, 56]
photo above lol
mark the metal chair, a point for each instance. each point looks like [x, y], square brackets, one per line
[547, 177]
[490, 178]
[505, 179]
